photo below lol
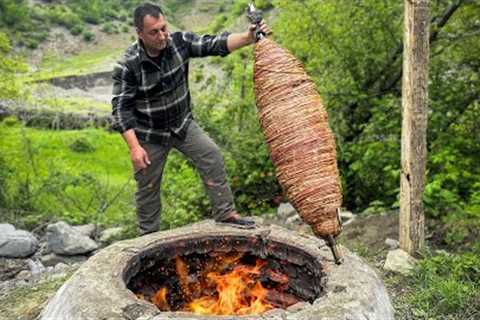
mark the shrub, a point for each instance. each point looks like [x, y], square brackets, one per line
[77, 29]
[219, 23]
[109, 28]
[10, 121]
[88, 35]
[81, 145]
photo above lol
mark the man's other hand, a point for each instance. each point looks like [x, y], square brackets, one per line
[139, 158]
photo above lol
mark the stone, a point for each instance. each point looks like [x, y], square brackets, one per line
[294, 219]
[399, 261]
[53, 259]
[286, 210]
[60, 267]
[97, 289]
[43, 248]
[9, 268]
[111, 234]
[16, 243]
[24, 274]
[36, 267]
[86, 229]
[65, 240]
[6, 228]
[392, 243]
[346, 215]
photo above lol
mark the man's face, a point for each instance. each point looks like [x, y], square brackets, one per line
[154, 34]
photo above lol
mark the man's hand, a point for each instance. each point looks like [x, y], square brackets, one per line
[263, 28]
[239, 40]
[139, 158]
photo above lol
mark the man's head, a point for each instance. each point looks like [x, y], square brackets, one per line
[151, 27]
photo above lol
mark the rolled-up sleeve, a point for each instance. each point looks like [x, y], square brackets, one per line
[206, 45]
[123, 100]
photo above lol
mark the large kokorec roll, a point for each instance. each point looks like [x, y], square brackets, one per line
[302, 146]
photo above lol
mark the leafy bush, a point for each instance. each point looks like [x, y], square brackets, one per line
[81, 145]
[218, 23]
[109, 28]
[77, 29]
[88, 36]
[27, 23]
[9, 67]
[10, 121]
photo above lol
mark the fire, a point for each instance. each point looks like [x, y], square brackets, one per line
[224, 286]
[160, 299]
[238, 291]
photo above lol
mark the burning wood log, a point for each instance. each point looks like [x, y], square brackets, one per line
[301, 144]
[281, 299]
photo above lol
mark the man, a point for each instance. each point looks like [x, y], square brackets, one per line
[151, 109]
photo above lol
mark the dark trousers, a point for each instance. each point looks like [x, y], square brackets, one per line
[207, 159]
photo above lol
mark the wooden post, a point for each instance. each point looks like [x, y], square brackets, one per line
[414, 124]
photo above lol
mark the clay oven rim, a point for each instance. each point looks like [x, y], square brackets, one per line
[98, 289]
[262, 242]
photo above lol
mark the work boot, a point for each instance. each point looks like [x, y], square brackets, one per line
[234, 219]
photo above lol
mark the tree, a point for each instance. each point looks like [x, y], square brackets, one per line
[414, 124]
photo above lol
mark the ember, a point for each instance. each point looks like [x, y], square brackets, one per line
[232, 284]
[226, 276]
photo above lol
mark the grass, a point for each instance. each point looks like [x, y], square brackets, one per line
[74, 104]
[26, 302]
[444, 286]
[85, 176]
[86, 62]
[52, 179]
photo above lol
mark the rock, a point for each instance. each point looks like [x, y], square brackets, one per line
[294, 219]
[86, 229]
[43, 249]
[346, 215]
[399, 261]
[6, 228]
[53, 259]
[111, 234]
[286, 210]
[65, 240]
[9, 268]
[24, 274]
[60, 267]
[36, 267]
[392, 243]
[16, 243]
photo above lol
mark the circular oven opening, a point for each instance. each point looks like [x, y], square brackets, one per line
[225, 275]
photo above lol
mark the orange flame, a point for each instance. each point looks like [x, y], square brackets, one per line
[225, 286]
[160, 299]
[238, 293]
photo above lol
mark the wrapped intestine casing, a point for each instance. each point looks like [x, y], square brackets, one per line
[301, 144]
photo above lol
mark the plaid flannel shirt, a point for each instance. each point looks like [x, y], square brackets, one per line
[154, 99]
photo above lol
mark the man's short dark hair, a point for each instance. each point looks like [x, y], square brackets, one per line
[145, 9]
